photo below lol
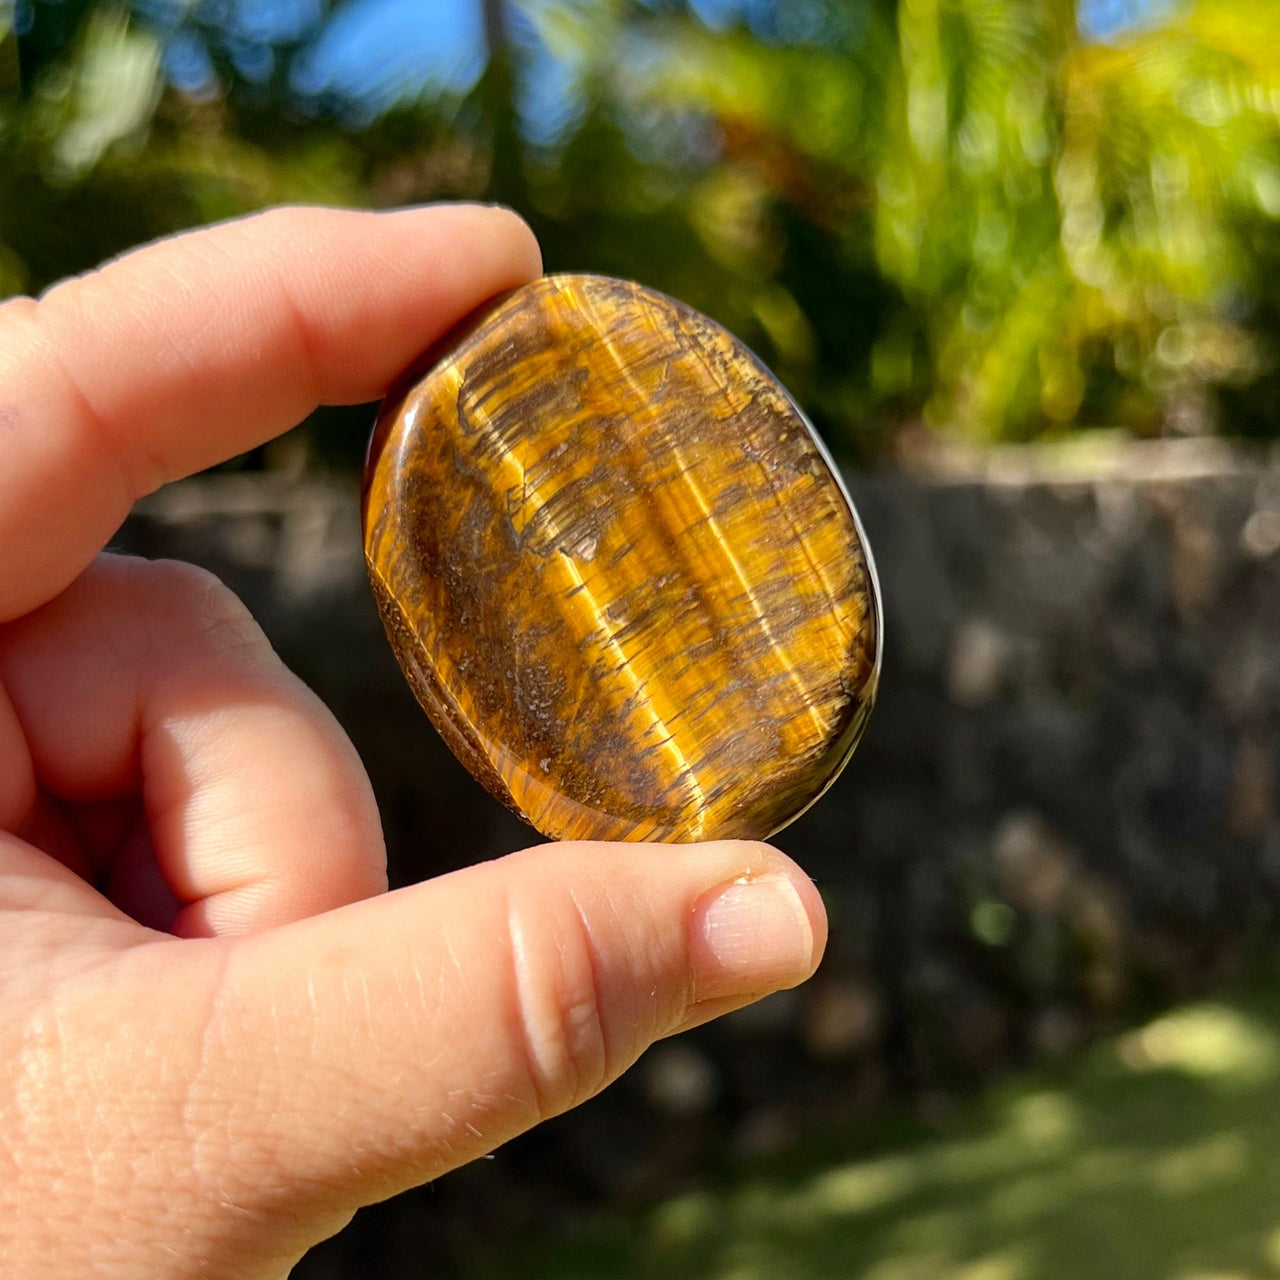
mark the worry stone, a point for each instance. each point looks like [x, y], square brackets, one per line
[619, 570]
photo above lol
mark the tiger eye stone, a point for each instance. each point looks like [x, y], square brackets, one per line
[618, 569]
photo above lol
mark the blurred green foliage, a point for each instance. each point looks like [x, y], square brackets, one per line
[971, 216]
[1154, 1158]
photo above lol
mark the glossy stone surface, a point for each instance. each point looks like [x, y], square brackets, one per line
[619, 571]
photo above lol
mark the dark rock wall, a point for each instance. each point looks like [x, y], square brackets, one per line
[1063, 812]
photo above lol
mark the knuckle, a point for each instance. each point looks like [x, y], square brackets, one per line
[289, 220]
[201, 608]
[562, 1024]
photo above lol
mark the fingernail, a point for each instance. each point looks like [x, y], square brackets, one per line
[750, 937]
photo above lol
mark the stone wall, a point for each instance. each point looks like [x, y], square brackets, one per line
[1064, 810]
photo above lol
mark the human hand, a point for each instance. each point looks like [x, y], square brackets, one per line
[218, 1036]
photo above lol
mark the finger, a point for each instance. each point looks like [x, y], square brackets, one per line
[17, 777]
[377, 1046]
[152, 678]
[199, 347]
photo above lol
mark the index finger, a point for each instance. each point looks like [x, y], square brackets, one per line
[197, 348]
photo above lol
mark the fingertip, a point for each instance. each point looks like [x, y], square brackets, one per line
[529, 251]
[511, 250]
[756, 922]
[756, 934]
[816, 911]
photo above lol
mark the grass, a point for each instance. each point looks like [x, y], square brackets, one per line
[1155, 1157]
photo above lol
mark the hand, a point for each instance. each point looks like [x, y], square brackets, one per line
[218, 1035]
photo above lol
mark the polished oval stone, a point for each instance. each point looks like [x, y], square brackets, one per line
[619, 570]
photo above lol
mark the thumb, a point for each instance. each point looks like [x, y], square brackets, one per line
[379, 1045]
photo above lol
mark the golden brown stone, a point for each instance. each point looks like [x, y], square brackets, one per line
[618, 569]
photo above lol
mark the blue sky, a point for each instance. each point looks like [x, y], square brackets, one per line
[374, 53]
[379, 51]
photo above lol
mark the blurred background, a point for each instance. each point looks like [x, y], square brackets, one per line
[1020, 262]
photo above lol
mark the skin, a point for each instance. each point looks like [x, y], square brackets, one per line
[219, 1034]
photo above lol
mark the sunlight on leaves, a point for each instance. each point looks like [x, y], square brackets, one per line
[1221, 1157]
[1208, 1041]
[1134, 1163]
[862, 1187]
[113, 94]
